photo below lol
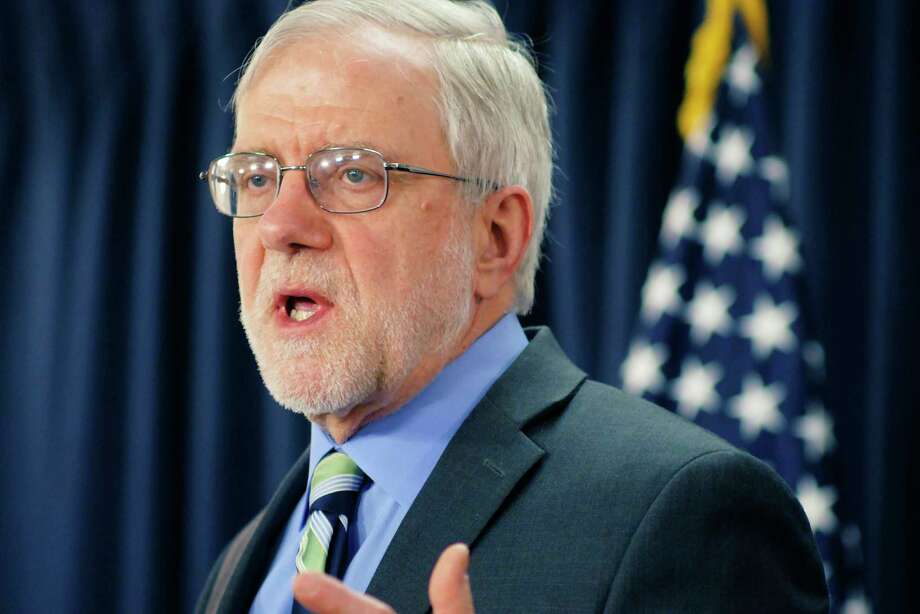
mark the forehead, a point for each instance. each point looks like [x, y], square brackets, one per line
[364, 88]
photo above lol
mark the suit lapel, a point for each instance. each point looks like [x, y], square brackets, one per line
[486, 458]
[257, 555]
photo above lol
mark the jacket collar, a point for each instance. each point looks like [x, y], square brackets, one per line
[480, 467]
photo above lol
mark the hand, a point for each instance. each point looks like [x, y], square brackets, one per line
[448, 589]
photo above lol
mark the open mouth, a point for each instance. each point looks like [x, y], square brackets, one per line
[300, 308]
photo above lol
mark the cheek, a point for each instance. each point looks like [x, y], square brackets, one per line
[249, 257]
[382, 260]
[418, 244]
[377, 266]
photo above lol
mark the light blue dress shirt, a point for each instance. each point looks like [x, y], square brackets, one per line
[397, 453]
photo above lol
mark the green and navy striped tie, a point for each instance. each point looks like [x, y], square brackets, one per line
[333, 499]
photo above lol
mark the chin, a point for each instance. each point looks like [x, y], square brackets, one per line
[314, 376]
[315, 387]
[310, 411]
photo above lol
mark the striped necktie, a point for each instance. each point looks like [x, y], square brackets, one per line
[333, 499]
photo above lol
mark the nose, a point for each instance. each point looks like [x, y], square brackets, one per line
[294, 221]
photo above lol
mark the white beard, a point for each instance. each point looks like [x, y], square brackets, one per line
[367, 349]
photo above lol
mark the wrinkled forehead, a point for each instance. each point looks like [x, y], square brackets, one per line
[361, 87]
[400, 62]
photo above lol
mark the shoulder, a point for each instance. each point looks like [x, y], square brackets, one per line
[609, 427]
[625, 449]
[692, 512]
[721, 528]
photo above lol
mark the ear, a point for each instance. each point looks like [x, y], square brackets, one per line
[503, 226]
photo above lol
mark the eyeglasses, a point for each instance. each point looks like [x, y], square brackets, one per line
[340, 179]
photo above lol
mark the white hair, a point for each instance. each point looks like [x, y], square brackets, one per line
[494, 109]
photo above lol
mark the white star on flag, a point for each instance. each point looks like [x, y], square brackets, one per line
[707, 312]
[818, 504]
[659, 294]
[721, 232]
[733, 154]
[741, 74]
[816, 429]
[777, 248]
[695, 389]
[769, 327]
[757, 407]
[774, 170]
[678, 216]
[641, 371]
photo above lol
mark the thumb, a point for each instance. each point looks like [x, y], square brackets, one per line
[449, 588]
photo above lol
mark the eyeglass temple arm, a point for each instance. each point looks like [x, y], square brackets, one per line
[418, 170]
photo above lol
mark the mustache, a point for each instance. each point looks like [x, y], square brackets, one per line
[318, 272]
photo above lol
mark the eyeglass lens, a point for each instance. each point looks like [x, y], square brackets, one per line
[340, 180]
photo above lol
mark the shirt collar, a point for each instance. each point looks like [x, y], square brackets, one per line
[399, 451]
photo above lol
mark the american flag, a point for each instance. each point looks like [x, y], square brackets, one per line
[722, 337]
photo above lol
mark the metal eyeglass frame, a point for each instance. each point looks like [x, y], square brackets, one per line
[387, 166]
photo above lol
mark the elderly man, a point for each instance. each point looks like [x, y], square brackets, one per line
[389, 181]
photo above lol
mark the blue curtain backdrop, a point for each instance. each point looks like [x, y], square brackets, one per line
[135, 436]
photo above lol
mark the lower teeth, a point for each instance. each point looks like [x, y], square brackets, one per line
[300, 316]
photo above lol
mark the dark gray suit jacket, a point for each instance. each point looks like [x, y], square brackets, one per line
[575, 497]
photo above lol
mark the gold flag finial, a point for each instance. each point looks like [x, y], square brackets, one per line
[709, 52]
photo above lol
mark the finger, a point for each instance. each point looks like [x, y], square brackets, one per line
[449, 589]
[323, 594]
